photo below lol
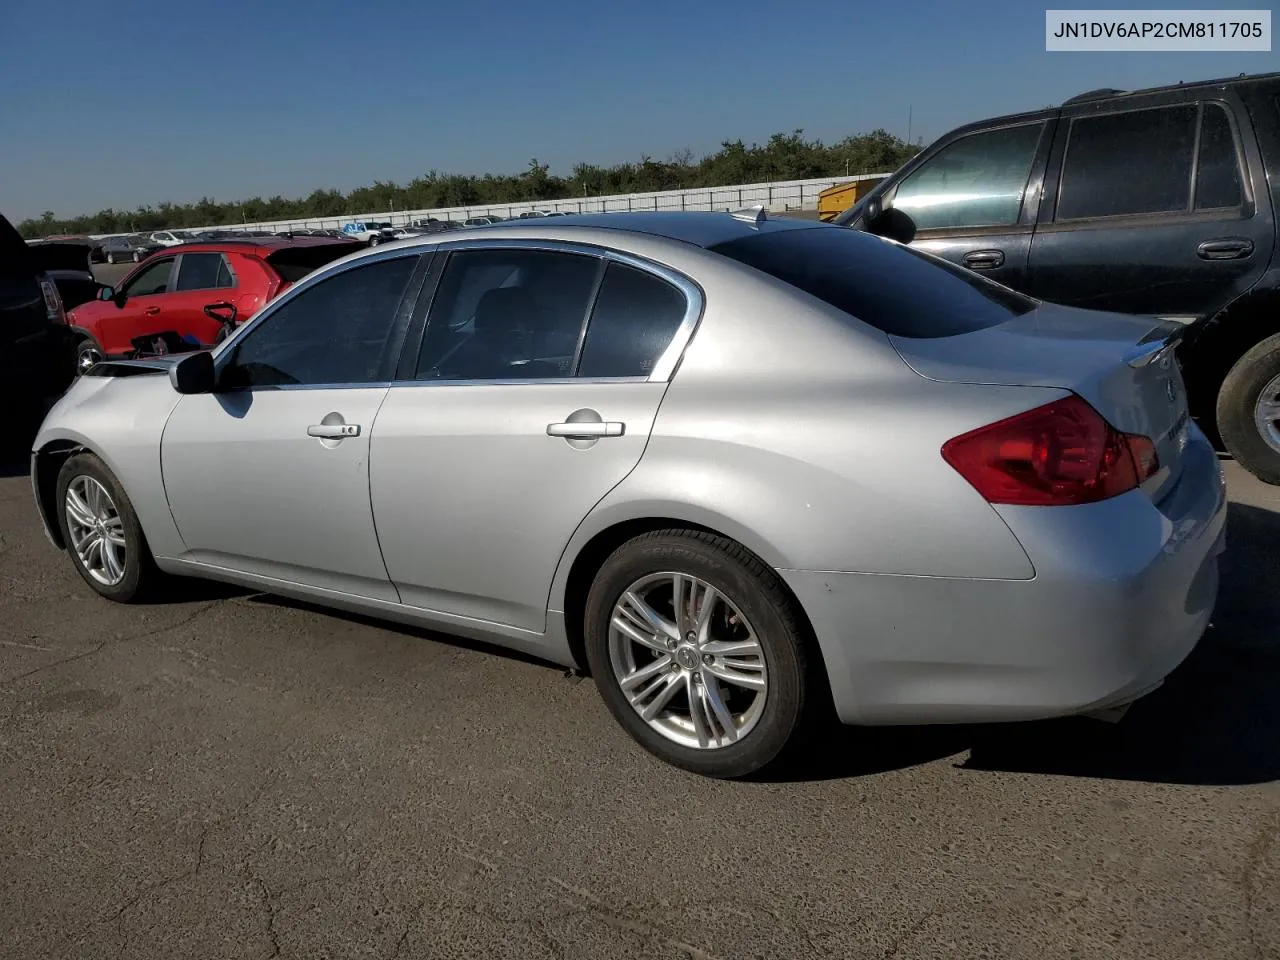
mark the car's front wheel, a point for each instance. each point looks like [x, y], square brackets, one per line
[137, 256]
[698, 652]
[1248, 412]
[102, 532]
[111, 258]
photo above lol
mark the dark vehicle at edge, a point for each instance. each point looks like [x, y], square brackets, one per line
[1158, 202]
[35, 341]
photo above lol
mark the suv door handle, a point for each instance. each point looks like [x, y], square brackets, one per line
[586, 429]
[1226, 248]
[983, 259]
[151, 311]
[333, 431]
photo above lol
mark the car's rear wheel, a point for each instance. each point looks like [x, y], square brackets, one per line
[111, 257]
[137, 256]
[698, 652]
[87, 355]
[102, 532]
[1249, 410]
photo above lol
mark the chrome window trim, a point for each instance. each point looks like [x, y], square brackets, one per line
[306, 283]
[665, 366]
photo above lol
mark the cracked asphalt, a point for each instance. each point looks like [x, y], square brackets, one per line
[231, 775]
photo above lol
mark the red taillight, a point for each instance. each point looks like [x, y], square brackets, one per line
[53, 302]
[1061, 453]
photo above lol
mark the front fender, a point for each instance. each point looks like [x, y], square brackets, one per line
[120, 420]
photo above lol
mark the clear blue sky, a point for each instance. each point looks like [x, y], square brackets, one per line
[120, 103]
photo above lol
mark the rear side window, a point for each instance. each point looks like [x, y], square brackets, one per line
[892, 287]
[635, 317]
[1218, 164]
[201, 271]
[1122, 164]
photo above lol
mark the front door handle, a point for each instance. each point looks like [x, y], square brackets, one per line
[983, 259]
[333, 431]
[152, 311]
[586, 429]
[1225, 248]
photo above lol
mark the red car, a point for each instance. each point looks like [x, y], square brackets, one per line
[187, 296]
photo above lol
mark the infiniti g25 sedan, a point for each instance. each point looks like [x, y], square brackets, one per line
[740, 470]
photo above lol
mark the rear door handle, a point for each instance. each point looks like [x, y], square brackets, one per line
[333, 431]
[983, 259]
[152, 311]
[586, 429]
[1227, 248]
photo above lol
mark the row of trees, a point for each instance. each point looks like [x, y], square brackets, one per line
[784, 157]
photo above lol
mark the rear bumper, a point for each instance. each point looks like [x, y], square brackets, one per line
[1123, 591]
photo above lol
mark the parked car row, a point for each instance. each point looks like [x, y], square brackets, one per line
[192, 295]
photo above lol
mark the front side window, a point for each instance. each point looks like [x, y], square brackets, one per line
[152, 280]
[201, 271]
[507, 315]
[634, 319]
[977, 181]
[895, 288]
[1124, 164]
[335, 332]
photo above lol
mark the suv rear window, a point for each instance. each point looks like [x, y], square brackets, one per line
[892, 287]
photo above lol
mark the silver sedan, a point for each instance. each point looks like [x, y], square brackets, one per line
[746, 472]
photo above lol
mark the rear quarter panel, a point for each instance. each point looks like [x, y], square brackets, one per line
[809, 441]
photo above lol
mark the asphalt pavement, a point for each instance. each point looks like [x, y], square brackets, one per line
[233, 775]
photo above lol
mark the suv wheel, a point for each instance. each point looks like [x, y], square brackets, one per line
[111, 257]
[1249, 410]
[137, 255]
[698, 652]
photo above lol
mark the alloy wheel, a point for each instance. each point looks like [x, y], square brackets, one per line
[87, 357]
[687, 660]
[1266, 413]
[96, 530]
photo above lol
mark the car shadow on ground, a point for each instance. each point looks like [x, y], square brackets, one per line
[1215, 722]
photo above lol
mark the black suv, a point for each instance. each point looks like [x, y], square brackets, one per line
[1160, 202]
[36, 347]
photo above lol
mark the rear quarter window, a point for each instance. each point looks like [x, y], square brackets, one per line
[897, 289]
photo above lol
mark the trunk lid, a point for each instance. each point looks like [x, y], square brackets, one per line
[1123, 365]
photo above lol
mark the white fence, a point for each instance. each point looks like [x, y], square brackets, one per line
[780, 196]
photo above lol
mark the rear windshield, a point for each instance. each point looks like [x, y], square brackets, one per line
[294, 263]
[895, 288]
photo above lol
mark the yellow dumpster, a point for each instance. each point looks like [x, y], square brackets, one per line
[834, 201]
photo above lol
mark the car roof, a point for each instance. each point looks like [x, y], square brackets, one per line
[702, 229]
[1105, 94]
[258, 245]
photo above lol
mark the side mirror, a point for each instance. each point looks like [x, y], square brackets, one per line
[892, 224]
[106, 292]
[194, 373]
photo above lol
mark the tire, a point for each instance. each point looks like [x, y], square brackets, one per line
[85, 350]
[111, 258]
[373, 241]
[138, 574]
[1255, 373]
[137, 256]
[768, 729]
